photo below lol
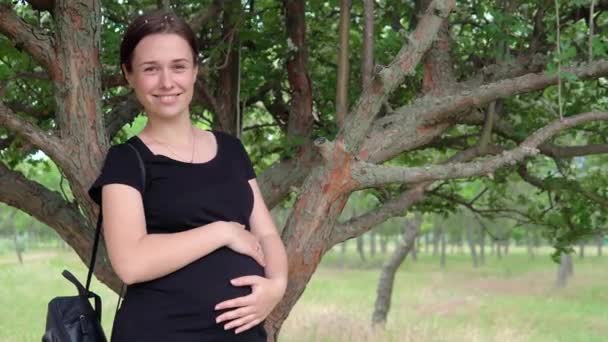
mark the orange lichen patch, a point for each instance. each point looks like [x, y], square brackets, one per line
[76, 19]
[422, 130]
[338, 178]
[465, 102]
[363, 154]
[428, 82]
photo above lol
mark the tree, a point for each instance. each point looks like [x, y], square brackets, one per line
[467, 95]
[384, 291]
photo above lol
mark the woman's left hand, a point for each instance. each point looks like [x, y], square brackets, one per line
[252, 309]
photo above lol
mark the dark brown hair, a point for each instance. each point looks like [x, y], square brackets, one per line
[159, 21]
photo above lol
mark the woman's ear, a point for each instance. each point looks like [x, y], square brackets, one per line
[126, 74]
[195, 71]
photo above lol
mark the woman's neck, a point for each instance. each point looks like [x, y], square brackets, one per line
[175, 132]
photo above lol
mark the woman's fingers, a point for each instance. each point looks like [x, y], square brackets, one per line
[248, 326]
[240, 322]
[235, 302]
[234, 314]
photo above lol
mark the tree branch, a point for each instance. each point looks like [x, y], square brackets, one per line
[492, 213]
[203, 95]
[51, 145]
[556, 151]
[24, 36]
[486, 133]
[164, 4]
[397, 206]
[395, 133]
[205, 15]
[523, 172]
[112, 80]
[367, 61]
[17, 107]
[300, 114]
[370, 175]
[50, 208]
[280, 179]
[121, 114]
[45, 205]
[360, 224]
[386, 81]
[438, 76]
[343, 65]
[504, 129]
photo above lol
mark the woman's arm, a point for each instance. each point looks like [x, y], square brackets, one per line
[263, 227]
[137, 256]
[251, 310]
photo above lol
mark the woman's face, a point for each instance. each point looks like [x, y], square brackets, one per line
[163, 75]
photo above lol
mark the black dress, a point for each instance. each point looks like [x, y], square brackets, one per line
[179, 196]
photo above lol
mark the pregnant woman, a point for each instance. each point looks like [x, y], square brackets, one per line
[195, 244]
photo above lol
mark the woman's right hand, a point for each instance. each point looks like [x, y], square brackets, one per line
[242, 241]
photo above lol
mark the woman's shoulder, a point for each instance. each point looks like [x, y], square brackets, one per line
[121, 167]
[227, 140]
[125, 150]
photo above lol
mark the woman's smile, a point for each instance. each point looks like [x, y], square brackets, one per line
[167, 99]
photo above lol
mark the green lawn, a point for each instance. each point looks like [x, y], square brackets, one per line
[506, 300]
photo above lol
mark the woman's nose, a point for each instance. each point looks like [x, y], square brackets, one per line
[165, 79]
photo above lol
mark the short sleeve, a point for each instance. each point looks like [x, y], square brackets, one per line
[247, 167]
[120, 167]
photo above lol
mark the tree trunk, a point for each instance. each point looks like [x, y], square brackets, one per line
[564, 270]
[530, 244]
[228, 116]
[387, 276]
[361, 247]
[415, 250]
[18, 246]
[443, 248]
[498, 249]
[426, 243]
[581, 249]
[372, 244]
[343, 255]
[460, 244]
[482, 246]
[436, 239]
[507, 244]
[471, 242]
[600, 244]
[383, 243]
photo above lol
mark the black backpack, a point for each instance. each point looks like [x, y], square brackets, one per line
[73, 318]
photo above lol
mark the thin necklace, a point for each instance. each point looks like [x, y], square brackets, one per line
[177, 155]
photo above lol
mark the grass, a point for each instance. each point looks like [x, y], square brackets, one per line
[505, 300]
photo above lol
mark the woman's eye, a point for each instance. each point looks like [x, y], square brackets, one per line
[180, 67]
[149, 69]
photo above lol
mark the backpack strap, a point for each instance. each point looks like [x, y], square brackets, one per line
[98, 229]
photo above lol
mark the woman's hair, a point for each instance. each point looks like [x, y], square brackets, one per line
[159, 21]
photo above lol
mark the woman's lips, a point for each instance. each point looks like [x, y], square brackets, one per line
[167, 99]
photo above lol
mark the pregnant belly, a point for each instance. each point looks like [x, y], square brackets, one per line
[193, 291]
